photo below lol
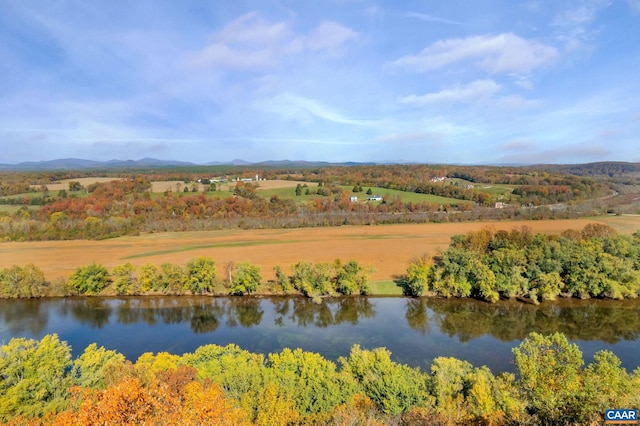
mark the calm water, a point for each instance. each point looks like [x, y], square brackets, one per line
[414, 330]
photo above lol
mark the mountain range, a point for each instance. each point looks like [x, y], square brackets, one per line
[78, 163]
[611, 168]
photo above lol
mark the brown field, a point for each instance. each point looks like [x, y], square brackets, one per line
[64, 184]
[387, 248]
[173, 186]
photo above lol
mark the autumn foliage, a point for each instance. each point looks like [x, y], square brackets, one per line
[215, 385]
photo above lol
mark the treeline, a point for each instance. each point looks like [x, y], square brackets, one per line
[490, 265]
[125, 207]
[40, 383]
[197, 277]
[423, 178]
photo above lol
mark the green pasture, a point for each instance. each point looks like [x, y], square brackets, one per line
[406, 197]
[494, 190]
[13, 209]
[384, 288]
[209, 194]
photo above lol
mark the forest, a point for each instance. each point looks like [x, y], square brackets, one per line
[128, 207]
[40, 384]
[489, 265]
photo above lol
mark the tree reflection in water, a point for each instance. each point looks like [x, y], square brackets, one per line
[24, 316]
[604, 320]
[435, 325]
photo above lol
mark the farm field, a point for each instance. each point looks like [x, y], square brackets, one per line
[387, 248]
[406, 197]
[284, 189]
[495, 190]
[64, 184]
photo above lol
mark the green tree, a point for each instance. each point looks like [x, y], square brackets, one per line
[240, 373]
[351, 278]
[90, 367]
[312, 280]
[418, 276]
[172, 278]
[201, 275]
[148, 277]
[305, 376]
[125, 279]
[298, 190]
[75, 186]
[245, 278]
[33, 380]
[394, 387]
[606, 385]
[90, 280]
[451, 276]
[27, 282]
[550, 377]
[281, 278]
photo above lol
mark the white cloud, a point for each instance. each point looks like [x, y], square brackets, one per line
[503, 53]
[430, 18]
[472, 92]
[251, 29]
[299, 108]
[249, 42]
[575, 24]
[329, 36]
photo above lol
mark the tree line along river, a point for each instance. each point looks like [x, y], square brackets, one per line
[414, 330]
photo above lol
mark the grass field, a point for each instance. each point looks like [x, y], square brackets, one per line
[494, 190]
[286, 190]
[12, 209]
[387, 249]
[64, 184]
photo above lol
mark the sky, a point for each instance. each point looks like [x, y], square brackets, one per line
[456, 81]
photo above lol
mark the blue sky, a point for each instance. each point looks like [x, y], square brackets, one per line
[474, 82]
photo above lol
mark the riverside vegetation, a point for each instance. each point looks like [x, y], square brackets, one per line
[40, 383]
[488, 265]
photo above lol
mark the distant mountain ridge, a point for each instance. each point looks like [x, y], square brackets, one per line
[610, 168]
[78, 163]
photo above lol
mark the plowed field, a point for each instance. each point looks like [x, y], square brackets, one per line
[388, 248]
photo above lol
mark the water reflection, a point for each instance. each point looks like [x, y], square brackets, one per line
[414, 330]
[607, 321]
[23, 316]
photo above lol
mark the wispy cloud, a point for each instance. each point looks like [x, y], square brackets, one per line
[410, 137]
[472, 92]
[575, 24]
[494, 54]
[299, 108]
[430, 18]
[250, 42]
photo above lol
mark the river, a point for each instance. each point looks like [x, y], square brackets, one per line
[414, 330]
